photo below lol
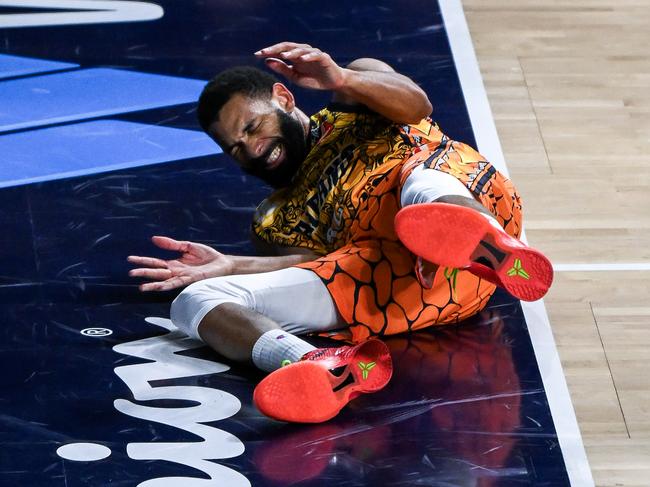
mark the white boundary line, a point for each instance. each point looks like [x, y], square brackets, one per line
[539, 327]
[614, 266]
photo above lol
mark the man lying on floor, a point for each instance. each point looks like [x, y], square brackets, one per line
[379, 224]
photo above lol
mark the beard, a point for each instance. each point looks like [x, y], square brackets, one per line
[294, 145]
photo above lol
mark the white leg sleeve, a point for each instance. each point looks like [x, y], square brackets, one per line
[294, 298]
[427, 185]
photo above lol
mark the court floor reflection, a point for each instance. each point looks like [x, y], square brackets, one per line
[450, 416]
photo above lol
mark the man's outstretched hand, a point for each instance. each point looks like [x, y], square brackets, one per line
[197, 262]
[303, 65]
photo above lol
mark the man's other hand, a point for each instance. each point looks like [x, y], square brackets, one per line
[304, 65]
[197, 262]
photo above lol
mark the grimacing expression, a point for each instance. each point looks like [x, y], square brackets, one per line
[266, 141]
[281, 161]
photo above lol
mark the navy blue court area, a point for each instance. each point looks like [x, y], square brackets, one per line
[100, 150]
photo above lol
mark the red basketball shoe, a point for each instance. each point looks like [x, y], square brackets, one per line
[326, 379]
[462, 238]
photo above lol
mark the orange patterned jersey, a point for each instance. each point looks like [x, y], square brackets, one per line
[351, 153]
[342, 203]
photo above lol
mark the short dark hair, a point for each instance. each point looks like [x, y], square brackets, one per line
[246, 80]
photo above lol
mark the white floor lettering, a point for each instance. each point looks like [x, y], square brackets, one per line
[212, 405]
[81, 12]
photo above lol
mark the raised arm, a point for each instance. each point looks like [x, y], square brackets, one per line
[367, 81]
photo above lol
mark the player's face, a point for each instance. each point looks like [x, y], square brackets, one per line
[265, 140]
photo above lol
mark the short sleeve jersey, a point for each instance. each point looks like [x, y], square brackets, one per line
[351, 153]
[342, 203]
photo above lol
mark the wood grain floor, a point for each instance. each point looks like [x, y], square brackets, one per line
[569, 87]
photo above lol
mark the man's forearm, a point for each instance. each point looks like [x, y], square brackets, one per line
[367, 81]
[390, 94]
[255, 264]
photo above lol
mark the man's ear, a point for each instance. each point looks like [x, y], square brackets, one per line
[283, 97]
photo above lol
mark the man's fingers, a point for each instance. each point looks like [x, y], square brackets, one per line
[147, 261]
[150, 286]
[276, 49]
[156, 274]
[294, 54]
[168, 243]
[167, 285]
[280, 67]
[314, 56]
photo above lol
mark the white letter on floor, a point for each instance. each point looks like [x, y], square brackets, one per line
[81, 12]
[212, 405]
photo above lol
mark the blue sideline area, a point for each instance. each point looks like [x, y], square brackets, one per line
[99, 389]
[93, 147]
[13, 66]
[88, 93]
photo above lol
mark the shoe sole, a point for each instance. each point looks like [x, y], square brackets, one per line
[460, 237]
[308, 392]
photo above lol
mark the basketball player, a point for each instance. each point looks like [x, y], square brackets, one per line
[379, 224]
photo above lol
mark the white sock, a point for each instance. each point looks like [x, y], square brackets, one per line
[277, 348]
[493, 221]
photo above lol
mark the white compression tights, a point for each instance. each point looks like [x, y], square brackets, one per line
[294, 298]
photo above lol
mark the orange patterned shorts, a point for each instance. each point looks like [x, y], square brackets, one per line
[372, 279]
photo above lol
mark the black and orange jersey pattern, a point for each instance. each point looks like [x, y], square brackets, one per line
[351, 154]
[342, 204]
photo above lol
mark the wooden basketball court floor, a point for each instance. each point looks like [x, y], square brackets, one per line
[569, 88]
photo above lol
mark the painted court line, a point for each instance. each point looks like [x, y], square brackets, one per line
[94, 147]
[603, 267]
[78, 12]
[89, 93]
[539, 327]
[11, 66]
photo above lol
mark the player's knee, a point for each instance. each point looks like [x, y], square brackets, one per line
[185, 307]
[465, 201]
[198, 299]
[429, 185]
